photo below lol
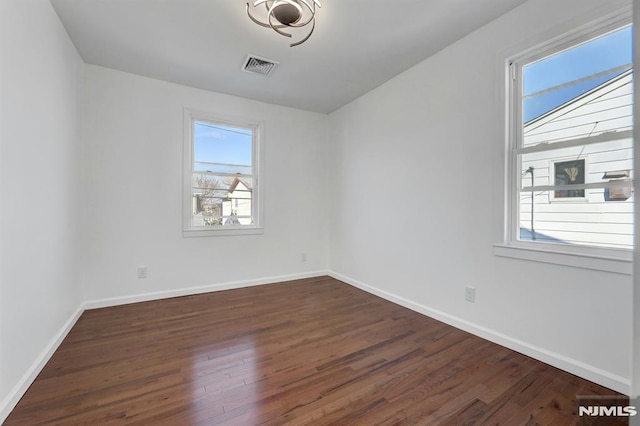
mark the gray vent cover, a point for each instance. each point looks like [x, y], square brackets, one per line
[258, 65]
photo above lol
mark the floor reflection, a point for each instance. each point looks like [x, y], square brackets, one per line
[225, 379]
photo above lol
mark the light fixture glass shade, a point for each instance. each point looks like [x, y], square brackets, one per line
[283, 14]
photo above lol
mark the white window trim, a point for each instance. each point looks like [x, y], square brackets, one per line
[584, 257]
[257, 126]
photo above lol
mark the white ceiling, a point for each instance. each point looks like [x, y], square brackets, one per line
[357, 44]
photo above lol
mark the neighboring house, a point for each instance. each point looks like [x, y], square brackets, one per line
[217, 205]
[592, 216]
[236, 207]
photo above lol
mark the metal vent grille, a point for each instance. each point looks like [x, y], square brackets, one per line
[258, 65]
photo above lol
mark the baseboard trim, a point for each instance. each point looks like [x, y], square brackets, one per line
[589, 372]
[9, 403]
[145, 297]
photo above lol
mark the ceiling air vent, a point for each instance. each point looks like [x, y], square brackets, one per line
[258, 65]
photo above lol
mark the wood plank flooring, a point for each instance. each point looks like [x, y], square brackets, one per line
[314, 351]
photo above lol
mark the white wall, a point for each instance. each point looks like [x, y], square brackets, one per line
[431, 141]
[39, 95]
[635, 372]
[132, 190]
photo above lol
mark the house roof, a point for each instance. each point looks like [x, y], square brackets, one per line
[578, 101]
[236, 182]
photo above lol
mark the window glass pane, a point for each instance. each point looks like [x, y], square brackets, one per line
[556, 79]
[223, 196]
[216, 145]
[580, 92]
[221, 200]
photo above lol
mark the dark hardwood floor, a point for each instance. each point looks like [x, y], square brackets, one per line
[313, 351]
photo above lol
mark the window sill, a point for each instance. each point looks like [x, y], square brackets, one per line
[619, 263]
[188, 233]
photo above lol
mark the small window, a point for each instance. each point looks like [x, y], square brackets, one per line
[569, 172]
[221, 176]
[571, 135]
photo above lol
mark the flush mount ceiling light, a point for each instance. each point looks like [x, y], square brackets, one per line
[286, 14]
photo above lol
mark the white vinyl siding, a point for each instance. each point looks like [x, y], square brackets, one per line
[611, 108]
[594, 219]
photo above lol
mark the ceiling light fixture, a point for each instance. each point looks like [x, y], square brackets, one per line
[287, 14]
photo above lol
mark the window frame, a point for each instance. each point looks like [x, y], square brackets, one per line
[587, 257]
[191, 116]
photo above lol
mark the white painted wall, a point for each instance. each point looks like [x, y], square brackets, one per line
[132, 190]
[635, 371]
[438, 126]
[39, 94]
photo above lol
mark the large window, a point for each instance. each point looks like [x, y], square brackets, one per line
[571, 146]
[221, 175]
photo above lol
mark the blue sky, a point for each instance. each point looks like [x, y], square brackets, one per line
[222, 144]
[605, 53]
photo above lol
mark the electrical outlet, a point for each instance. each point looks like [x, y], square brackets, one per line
[470, 294]
[142, 272]
[303, 256]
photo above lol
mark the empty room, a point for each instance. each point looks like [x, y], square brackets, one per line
[318, 212]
